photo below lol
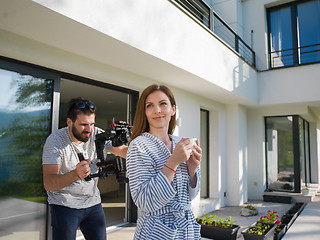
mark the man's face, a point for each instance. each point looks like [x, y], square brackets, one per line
[81, 129]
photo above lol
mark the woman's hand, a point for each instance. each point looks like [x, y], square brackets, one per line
[193, 163]
[180, 154]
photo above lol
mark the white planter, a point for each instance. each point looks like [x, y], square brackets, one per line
[305, 191]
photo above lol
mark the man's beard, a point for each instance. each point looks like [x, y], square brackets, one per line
[78, 135]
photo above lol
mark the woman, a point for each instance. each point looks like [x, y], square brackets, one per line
[162, 169]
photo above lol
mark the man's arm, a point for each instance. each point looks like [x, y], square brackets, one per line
[53, 180]
[119, 151]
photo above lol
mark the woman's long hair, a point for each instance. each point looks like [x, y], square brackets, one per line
[140, 124]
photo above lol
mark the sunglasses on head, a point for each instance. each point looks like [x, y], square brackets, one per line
[83, 105]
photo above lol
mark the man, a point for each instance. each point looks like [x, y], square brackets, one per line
[75, 202]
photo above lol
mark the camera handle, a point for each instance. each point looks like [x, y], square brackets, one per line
[81, 158]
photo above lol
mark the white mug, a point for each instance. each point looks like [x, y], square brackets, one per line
[193, 141]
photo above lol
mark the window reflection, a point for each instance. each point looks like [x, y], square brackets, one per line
[25, 113]
[294, 42]
[280, 154]
[288, 168]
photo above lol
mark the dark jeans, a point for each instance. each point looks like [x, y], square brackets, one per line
[65, 222]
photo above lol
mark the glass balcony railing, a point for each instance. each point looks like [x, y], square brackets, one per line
[206, 16]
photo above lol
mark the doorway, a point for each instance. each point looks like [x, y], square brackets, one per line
[112, 105]
[287, 153]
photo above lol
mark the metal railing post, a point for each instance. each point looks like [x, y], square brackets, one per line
[236, 43]
[211, 20]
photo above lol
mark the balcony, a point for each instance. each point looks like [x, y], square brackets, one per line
[295, 56]
[211, 21]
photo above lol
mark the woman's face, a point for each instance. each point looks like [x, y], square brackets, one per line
[159, 111]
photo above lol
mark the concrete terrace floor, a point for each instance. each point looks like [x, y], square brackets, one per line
[305, 226]
[126, 233]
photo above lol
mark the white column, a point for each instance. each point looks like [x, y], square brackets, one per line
[236, 163]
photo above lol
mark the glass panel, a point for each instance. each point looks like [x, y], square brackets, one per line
[281, 37]
[280, 162]
[307, 148]
[302, 152]
[204, 138]
[304, 148]
[25, 113]
[110, 105]
[309, 31]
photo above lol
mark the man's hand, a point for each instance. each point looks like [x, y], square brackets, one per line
[83, 169]
[53, 180]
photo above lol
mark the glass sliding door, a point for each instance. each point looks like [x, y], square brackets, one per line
[112, 105]
[304, 149]
[280, 160]
[25, 113]
[287, 153]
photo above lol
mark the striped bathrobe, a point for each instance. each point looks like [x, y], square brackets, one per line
[165, 211]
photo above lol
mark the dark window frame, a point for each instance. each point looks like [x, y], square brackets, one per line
[208, 151]
[294, 15]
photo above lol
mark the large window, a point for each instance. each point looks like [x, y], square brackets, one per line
[287, 153]
[294, 33]
[204, 144]
[25, 113]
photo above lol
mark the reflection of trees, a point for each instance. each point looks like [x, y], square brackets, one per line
[285, 149]
[25, 136]
[32, 91]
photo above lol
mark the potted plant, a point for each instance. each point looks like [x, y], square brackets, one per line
[264, 228]
[305, 191]
[279, 231]
[272, 217]
[259, 231]
[292, 214]
[217, 228]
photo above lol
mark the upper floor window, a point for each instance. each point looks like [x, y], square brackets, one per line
[294, 33]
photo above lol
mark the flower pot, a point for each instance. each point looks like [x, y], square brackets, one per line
[292, 214]
[282, 230]
[268, 235]
[298, 207]
[219, 233]
[305, 191]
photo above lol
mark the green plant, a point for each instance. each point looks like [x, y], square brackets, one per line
[279, 227]
[259, 229]
[250, 207]
[209, 219]
[272, 217]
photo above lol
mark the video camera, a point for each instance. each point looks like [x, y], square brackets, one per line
[119, 133]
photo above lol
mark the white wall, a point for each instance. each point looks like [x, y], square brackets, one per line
[59, 54]
[236, 164]
[298, 84]
[256, 155]
[170, 46]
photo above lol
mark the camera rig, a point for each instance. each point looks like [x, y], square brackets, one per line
[119, 133]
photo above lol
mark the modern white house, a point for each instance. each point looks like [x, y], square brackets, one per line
[245, 75]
